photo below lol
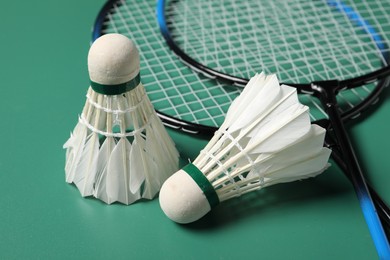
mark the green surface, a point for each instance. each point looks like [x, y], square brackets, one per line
[44, 79]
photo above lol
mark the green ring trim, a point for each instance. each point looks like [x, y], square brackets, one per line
[116, 89]
[203, 184]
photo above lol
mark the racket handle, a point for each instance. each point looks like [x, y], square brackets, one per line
[326, 91]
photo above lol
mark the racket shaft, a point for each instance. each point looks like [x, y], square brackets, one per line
[380, 205]
[328, 98]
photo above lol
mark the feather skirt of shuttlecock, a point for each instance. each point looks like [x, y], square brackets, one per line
[266, 138]
[119, 150]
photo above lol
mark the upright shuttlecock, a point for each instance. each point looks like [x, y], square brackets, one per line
[266, 138]
[119, 150]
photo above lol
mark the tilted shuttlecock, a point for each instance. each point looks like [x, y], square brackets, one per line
[266, 138]
[119, 150]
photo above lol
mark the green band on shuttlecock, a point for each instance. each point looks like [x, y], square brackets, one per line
[203, 184]
[116, 89]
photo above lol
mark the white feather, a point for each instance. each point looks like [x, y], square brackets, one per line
[266, 141]
[256, 101]
[281, 131]
[152, 181]
[264, 177]
[86, 169]
[163, 148]
[251, 89]
[137, 164]
[301, 170]
[75, 147]
[91, 152]
[288, 99]
[307, 146]
[158, 168]
[100, 190]
[117, 181]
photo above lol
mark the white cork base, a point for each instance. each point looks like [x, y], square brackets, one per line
[182, 200]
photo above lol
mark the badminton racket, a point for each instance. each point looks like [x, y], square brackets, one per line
[326, 46]
[332, 48]
[191, 102]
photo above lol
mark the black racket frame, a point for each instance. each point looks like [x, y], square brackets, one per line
[326, 91]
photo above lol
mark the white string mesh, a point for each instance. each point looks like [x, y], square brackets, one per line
[300, 41]
[173, 88]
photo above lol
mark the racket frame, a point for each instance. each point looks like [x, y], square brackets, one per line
[326, 91]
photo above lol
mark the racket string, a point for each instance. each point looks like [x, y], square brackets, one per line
[172, 88]
[319, 39]
[180, 92]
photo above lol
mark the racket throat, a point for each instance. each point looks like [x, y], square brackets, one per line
[326, 91]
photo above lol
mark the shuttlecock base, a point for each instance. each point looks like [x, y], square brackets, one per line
[182, 200]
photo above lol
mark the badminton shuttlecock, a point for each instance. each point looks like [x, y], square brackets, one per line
[119, 150]
[266, 138]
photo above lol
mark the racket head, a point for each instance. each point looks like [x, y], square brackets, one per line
[192, 102]
[232, 39]
[345, 41]
[184, 99]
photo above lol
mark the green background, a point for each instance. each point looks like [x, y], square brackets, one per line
[44, 79]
